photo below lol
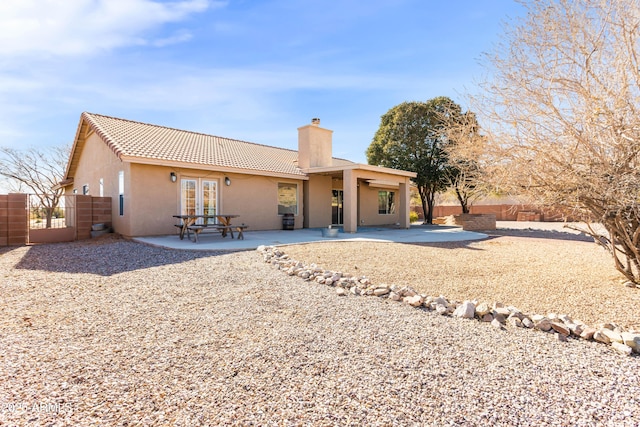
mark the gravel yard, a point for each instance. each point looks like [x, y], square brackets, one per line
[113, 332]
[537, 271]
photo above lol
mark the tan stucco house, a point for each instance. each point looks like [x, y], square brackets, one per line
[153, 172]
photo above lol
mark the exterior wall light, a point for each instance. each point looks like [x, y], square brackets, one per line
[173, 177]
[227, 181]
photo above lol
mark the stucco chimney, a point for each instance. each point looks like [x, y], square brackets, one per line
[314, 146]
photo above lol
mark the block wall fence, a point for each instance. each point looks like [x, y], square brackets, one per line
[502, 212]
[14, 219]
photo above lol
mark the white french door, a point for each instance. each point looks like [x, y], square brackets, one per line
[198, 197]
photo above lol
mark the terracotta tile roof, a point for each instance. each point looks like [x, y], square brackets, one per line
[132, 140]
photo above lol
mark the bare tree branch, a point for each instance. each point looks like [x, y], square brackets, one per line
[36, 171]
[565, 94]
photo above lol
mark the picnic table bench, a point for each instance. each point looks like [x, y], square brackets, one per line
[220, 223]
[223, 229]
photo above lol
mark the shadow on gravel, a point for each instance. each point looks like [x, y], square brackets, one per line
[540, 234]
[104, 258]
[460, 244]
[439, 227]
[502, 232]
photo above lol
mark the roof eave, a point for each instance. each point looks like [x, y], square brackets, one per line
[360, 166]
[224, 169]
[74, 148]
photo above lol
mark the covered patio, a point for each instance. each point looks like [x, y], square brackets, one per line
[355, 180]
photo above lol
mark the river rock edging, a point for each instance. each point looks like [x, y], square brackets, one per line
[497, 314]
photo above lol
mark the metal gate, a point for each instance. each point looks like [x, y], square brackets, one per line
[51, 224]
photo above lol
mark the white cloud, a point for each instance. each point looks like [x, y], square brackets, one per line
[10, 84]
[185, 88]
[178, 37]
[73, 27]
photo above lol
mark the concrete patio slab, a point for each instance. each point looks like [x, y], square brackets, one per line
[253, 239]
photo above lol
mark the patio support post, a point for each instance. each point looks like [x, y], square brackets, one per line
[404, 204]
[350, 201]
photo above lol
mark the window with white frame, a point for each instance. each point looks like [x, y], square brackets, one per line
[287, 198]
[386, 202]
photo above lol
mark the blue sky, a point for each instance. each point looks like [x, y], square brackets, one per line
[244, 69]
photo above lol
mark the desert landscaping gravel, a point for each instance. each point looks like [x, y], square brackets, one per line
[536, 271]
[113, 332]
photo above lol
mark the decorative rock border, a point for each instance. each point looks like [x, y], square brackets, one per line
[497, 314]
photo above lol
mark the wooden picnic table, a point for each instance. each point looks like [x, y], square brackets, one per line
[221, 221]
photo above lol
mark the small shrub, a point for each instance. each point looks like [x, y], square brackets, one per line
[413, 216]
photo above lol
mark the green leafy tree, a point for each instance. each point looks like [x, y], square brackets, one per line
[412, 137]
